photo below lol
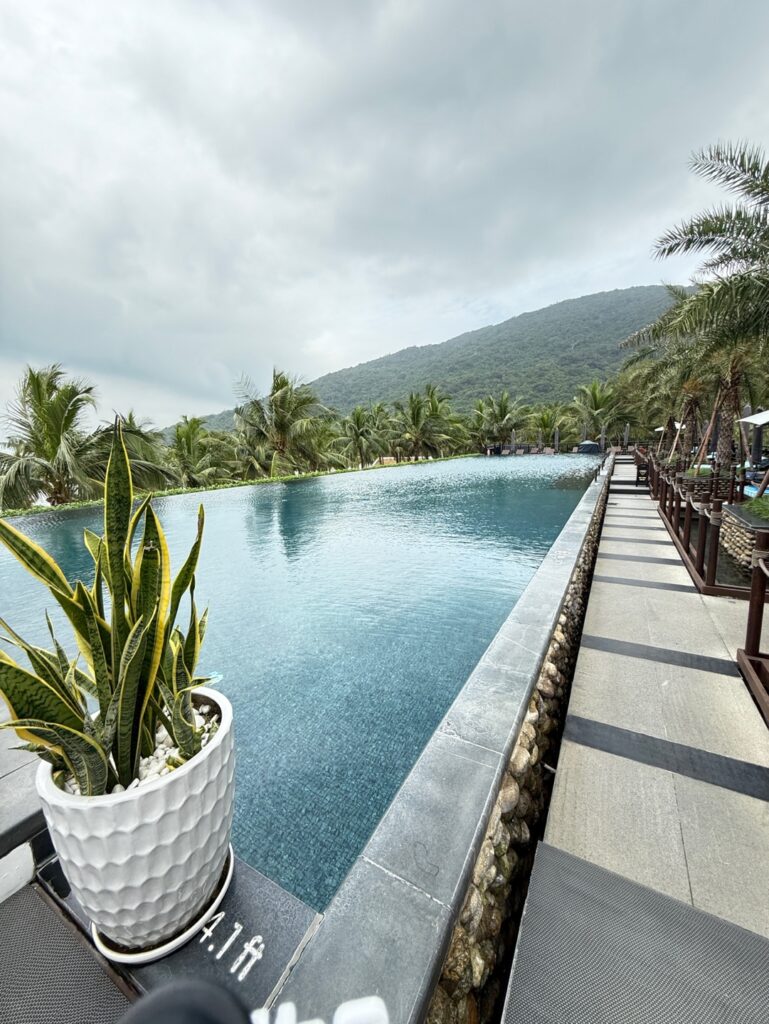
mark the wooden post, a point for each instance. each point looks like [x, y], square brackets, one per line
[714, 532]
[677, 504]
[688, 492]
[702, 538]
[757, 594]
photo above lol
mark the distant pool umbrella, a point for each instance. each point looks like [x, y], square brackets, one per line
[539, 439]
[556, 439]
[626, 435]
[603, 439]
[758, 421]
[512, 438]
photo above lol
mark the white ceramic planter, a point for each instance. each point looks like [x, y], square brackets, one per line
[143, 863]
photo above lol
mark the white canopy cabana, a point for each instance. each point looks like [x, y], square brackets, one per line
[758, 419]
[658, 430]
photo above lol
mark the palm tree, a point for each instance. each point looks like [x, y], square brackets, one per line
[283, 425]
[736, 239]
[546, 419]
[725, 318]
[595, 407]
[476, 426]
[357, 440]
[199, 457]
[48, 452]
[425, 423]
[503, 416]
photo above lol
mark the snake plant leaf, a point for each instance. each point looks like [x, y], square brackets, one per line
[97, 591]
[61, 654]
[29, 696]
[34, 559]
[82, 753]
[192, 640]
[128, 729]
[186, 575]
[46, 665]
[54, 759]
[202, 627]
[155, 591]
[100, 667]
[94, 544]
[183, 718]
[118, 499]
[136, 518]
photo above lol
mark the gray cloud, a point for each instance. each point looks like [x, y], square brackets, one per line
[189, 189]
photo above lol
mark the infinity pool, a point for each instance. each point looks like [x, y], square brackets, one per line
[346, 612]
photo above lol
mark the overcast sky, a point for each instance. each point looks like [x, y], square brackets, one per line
[190, 190]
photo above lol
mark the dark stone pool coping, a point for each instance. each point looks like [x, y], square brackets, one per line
[387, 929]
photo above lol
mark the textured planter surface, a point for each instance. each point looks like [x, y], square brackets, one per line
[142, 863]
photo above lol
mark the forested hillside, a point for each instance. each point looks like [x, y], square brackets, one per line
[539, 356]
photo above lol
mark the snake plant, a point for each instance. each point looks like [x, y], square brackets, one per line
[94, 716]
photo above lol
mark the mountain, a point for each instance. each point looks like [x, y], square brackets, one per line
[541, 356]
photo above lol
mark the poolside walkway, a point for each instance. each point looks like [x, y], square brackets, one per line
[660, 804]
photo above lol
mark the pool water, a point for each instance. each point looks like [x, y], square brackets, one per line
[346, 612]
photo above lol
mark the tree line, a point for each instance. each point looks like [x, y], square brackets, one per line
[49, 455]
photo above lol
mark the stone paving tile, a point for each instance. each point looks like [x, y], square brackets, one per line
[621, 815]
[702, 709]
[726, 838]
[729, 616]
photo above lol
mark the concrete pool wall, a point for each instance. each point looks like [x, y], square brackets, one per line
[418, 919]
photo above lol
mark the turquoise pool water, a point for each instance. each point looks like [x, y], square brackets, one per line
[346, 612]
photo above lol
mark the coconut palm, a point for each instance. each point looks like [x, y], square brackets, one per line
[735, 238]
[357, 441]
[200, 458]
[476, 426]
[424, 424]
[503, 416]
[283, 425]
[595, 407]
[546, 419]
[48, 452]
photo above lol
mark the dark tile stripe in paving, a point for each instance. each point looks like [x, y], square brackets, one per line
[683, 588]
[652, 517]
[701, 662]
[715, 769]
[634, 540]
[653, 559]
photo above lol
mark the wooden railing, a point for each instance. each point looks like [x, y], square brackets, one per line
[692, 509]
[754, 664]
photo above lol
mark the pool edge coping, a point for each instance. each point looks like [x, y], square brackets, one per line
[387, 928]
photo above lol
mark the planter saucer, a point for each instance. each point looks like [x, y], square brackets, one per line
[119, 955]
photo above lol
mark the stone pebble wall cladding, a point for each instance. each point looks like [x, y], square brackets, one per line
[470, 988]
[738, 539]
